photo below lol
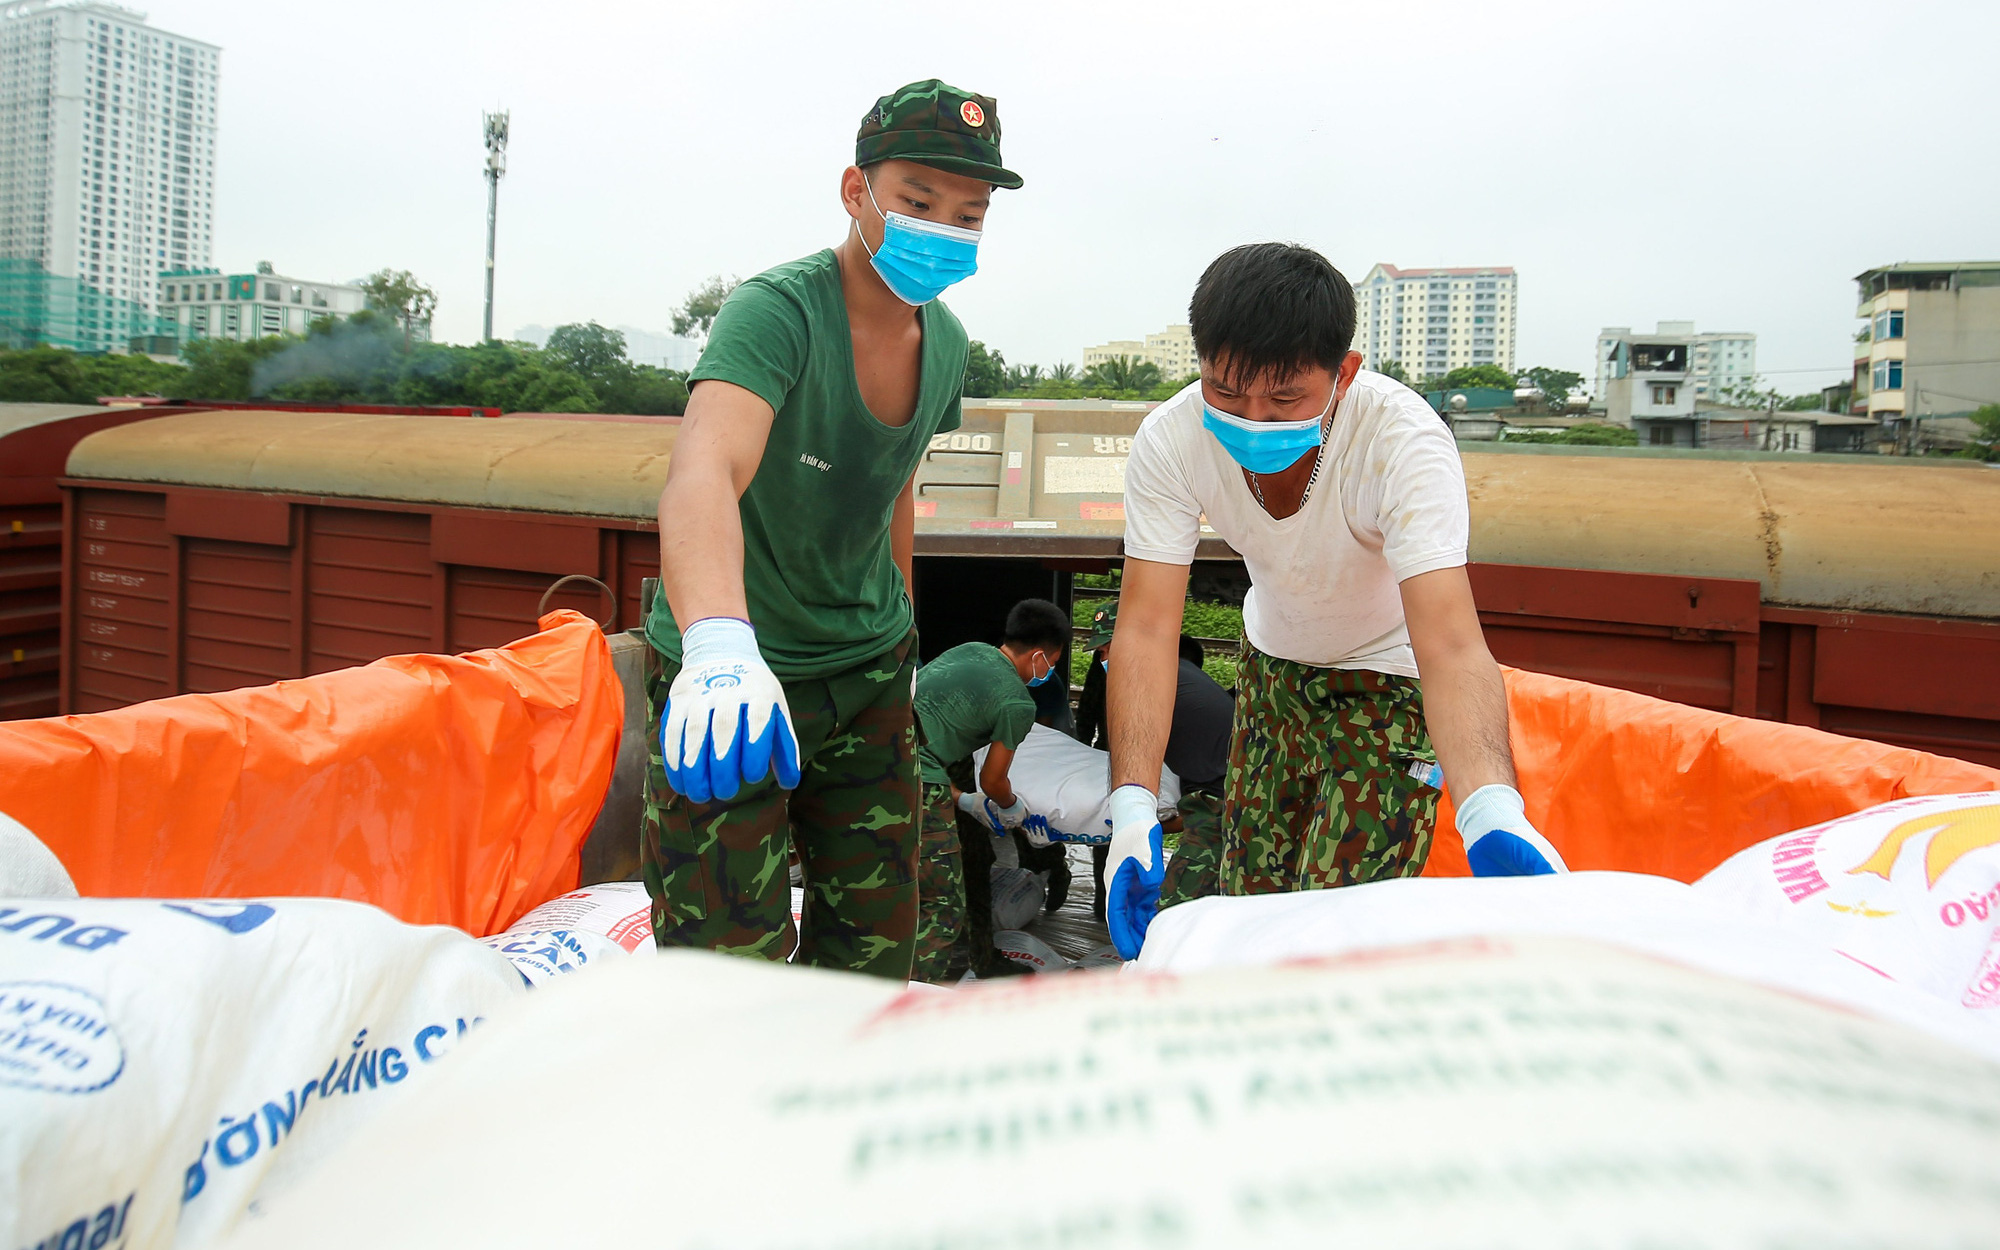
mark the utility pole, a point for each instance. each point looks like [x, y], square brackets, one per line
[496, 165]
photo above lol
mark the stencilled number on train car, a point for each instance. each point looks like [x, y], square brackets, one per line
[96, 549]
[103, 629]
[1104, 445]
[97, 524]
[962, 442]
[103, 655]
[102, 603]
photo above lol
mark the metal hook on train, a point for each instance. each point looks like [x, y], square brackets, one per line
[557, 584]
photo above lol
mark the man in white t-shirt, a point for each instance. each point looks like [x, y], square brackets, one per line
[1344, 495]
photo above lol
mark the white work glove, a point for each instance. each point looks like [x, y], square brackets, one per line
[1499, 841]
[1135, 869]
[1004, 818]
[726, 723]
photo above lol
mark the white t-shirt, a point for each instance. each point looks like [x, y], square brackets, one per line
[1389, 504]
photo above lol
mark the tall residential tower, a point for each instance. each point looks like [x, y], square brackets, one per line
[107, 169]
[1432, 321]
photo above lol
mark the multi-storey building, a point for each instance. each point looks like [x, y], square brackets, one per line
[1431, 321]
[1719, 364]
[205, 303]
[1172, 350]
[107, 169]
[1931, 347]
[1645, 381]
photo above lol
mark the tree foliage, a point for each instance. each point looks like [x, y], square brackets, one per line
[1588, 434]
[1555, 384]
[1121, 375]
[397, 293]
[985, 372]
[1985, 444]
[364, 359]
[696, 315]
[1394, 369]
[1469, 376]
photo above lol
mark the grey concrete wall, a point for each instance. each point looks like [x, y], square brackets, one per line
[1953, 353]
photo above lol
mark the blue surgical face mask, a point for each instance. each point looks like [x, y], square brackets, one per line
[1266, 446]
[1043, 680]
[918, 259]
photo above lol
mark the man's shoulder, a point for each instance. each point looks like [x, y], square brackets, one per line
[1167, 425]
[942, 328]
[1384, 405]
[798, 279]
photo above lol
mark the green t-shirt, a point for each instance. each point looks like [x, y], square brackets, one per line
[966, 698]
[822, 583]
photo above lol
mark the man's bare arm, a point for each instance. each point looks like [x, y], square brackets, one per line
[993, 772]
[716, 453]
[1145, 655]
[1465, 700]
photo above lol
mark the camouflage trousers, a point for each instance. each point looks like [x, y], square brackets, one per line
[718, 871]
[940, 886]
[1319, 791]
[1194, 869]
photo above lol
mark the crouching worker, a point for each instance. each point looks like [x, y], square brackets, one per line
[1344, 494]
[784, 652]
[975, 695]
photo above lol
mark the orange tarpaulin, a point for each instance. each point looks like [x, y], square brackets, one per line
[1625, 781]
[444, 789]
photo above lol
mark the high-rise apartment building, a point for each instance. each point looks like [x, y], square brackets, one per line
[107, 169]
[1432, 321]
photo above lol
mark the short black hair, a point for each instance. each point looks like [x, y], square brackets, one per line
[1190, 650]
[1037, 623]
[1271, 309]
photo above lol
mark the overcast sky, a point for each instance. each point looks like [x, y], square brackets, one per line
[1732, 163]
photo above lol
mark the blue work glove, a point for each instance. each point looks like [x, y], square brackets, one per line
[726, 724]
[1499, 841]
[1136, 868]
[1039, 832]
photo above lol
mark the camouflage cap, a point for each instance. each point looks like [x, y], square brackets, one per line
[938, 125]
[1102, 622]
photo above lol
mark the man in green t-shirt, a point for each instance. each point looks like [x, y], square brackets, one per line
[974, 695]
[783, 641]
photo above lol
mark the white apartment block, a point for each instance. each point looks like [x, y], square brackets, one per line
[1172, 350]
[107, 159]
[1431, 321]
[207, 304]
[1718, 361]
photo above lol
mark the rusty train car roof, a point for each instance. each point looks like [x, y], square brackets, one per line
[1825, 532]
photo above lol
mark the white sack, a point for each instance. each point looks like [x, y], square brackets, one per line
[566, 933]
[1069, 784]
[1653, 915]
[1910, 890]
[1018, 895]
[1029, 951]
[161, 1063]
[28, 868]
[1471, 1092]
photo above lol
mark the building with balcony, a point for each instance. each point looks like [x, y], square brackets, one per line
[1431, 321]
[1931, 346]
[208, 304]
[1646, 381]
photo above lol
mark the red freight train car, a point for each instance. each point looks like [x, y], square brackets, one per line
[35, 442]
[219, 549]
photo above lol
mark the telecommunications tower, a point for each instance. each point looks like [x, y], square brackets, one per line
[496, 165]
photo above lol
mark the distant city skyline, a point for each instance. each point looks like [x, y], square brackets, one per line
[627, 189]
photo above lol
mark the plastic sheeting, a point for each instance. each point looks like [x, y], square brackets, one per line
[1623, 781]
[444, 789]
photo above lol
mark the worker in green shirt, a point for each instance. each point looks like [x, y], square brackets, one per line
[784, 652]
[975, 695]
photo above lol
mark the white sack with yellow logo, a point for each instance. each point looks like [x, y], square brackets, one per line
[1910, 889]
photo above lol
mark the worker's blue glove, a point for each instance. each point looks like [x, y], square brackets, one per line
[1135, 869]
[726, 723]
[1039, 832]
[1499, 841]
